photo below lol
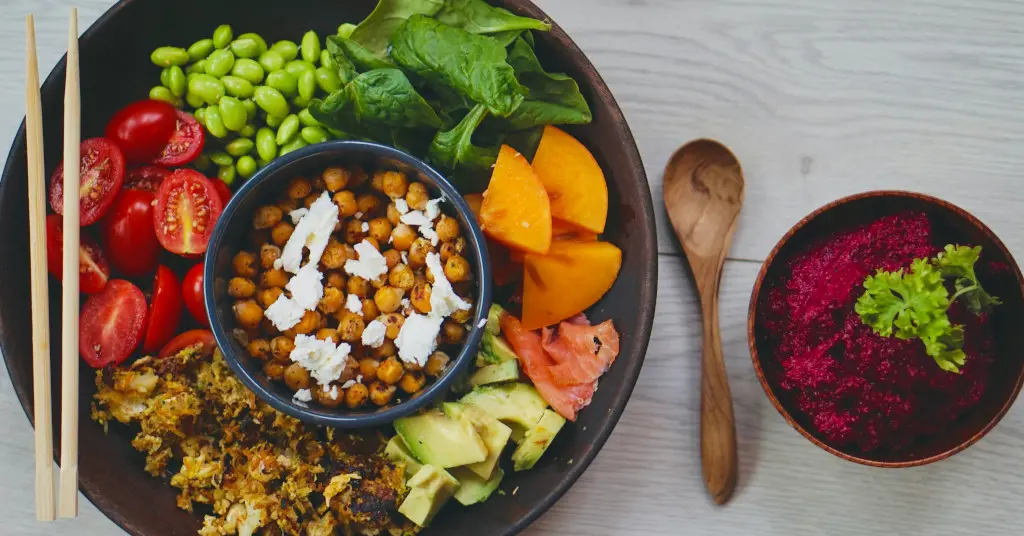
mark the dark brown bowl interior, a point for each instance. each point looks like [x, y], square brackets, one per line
[953, 225]
[116, 70]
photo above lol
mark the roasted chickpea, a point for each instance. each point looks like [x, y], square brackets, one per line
[335, 280]
[412, 366]
[257, 237]
[447, 250]
[357, 177]
[380, 229]
[274, 278]
[268, 296]
[354, 233]
[393, 257]
[368, 369]
[333, 397]
[377, 181]
[394, 217]
[335, 178]
[317, 182]
[417, 196]
[388, 299]
[420, 297]
[266, 328]
[381, 393]
[356, 396]
[395, 184]
[296, 377]
[462, 315]
[452, 332]
[418, 253]
[240, 287]
[358, 286]
[328, 334]
[259, 349]
[369, 310]
[273, 370]
[351, 369]
[281, 233]
[393, 322]
[287, 204]
[403, 237]
[244, 264]
[457, 269]
[421, 278]
[390, 371]
[332, 301]
[373, 242]
[299, 188]
[268, 254]
[385, 350]
[350, 326]
[248, 314]
[346, 201]
[310, 322]
[369, 204]
[412, 382]
[281, 347]
[401, 276]
[310, 199]
[267, 216]
[334, 256]
[447, 228]
[436, 363]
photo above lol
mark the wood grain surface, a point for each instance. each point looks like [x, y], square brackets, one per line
[818, 99]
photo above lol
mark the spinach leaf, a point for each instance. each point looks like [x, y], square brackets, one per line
[346, 69]
[554, 98]
[474, 65]
[453, 151]
[374, 33]
[356, 55]
[507, 38]
[479, 17]
[525, 141]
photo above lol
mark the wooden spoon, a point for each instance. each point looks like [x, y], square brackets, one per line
[703, 192]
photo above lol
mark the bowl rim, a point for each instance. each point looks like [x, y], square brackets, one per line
[752, 317]
[341, 418]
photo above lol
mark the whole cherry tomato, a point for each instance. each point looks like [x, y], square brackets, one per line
[222, 190]
[128, 235]
[142, 129]
[192, 292]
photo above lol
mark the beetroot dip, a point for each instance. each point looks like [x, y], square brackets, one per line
[856, 390]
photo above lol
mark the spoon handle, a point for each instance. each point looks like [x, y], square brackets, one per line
[717, 424]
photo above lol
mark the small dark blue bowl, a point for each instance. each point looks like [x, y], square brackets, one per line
[230, 235]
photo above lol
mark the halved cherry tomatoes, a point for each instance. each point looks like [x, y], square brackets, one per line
[185, 144]
[164, 310]
[192, 292]
[187, 207]
[111, 324]
[102, 171]
[222, 190]
[128, 234]
[146, 178]
[93, 270]
[142, 129]
[202, 338]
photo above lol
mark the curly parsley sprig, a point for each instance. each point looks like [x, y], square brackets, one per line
[914, 304]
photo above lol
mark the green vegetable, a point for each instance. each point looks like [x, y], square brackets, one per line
[295, 145]
[345, 30]
[287, 49]
[271, 60]
[167, 56]
[326, 60]
[375, 31]
[356, 55]
[439, 54]
[288, 130]
[246, 47]
[237, 87]
[222, 36]
[313, 135]
[260, 42]
[202, 161]
[207, 88]
[192, 99]
[248, 131]
[326, 79]
[310, 47]
[239, 147]
[554, 99]
[197, 67]
[453, 150]
[233, 113]
[250, 108]
[478, 17]
[958, 262]
[246, 167]
[306, 85]
[200, 49]
[175, 80]
[248, 69]
[266, 145]
[227, 174]
[283, 82]
[214, 122]
[220, 63]
[161, 93]
[274, 121]
[295, 67]
[307, 118]
[525, 141]
[271, 101]
[221, 158]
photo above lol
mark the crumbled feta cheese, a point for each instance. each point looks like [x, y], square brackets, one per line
[306, 287]
[418, 338]
[365, 227]
[333, 393]
[359, 378]
[303, 395]
[327, 388]
[443, 299]
[370, 265]
[434, 208]
[324, 361]
[481, 323]
[429, 233]
[358, 215]
[415, 218]
[401, 206]
[374, 333]
[348, 384]
[284, 313]
[312, 232]
[406, 302]
[297, 214]
[405, 258]
[354, 304]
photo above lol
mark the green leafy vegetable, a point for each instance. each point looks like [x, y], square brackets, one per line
[958, 262]
[453, 151]
[554, 99]
[356, 55]
[346, 69]
[374, 33]
[473, 65]
[479, 17]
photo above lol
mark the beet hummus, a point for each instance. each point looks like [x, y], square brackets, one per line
[857, 390]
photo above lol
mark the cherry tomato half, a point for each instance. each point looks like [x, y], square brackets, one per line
[185, 144]
[93, 270]
[128, 234]
[201, 337]
[223, 190]
[147, 178]
[102, 171]
[164, 310]
[187, 207]
[111, 324]
[142, 129]
[192, 292]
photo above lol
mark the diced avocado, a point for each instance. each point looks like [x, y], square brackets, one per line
[537, 440]
[502, 372]
[472, 488]
[517, 404]
[494, 433]
[436, 439]
[397, 451]
[495, 349]
[494, 319]
[428, 491]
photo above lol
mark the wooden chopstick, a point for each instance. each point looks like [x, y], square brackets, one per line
[45, 505]
[69, 356]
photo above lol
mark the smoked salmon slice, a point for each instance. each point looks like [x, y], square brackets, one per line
[583, 352]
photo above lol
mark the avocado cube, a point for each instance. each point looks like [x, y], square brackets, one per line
[472, 488]
[502, 372]
[517, 404]
[437, 439]
[537, 441]
[428, 491]
[494, 433]
[495, 349]
[494, 319]
[398, 452]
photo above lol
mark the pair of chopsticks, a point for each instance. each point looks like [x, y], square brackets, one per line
[68, 486]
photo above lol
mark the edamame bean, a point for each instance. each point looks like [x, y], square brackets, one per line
[307, 118]
[246, 47]
[272, 60]
[206, 87]
[283, 82]
[239, 147]
[220, 63]
[271, 101]
[165, 77]
[328, 79]
[337, 134]
[295, 145]
[200, 49]
[232, 113]
[197, 67]
[200, 114]
[345, 30]
[222, 36]
[227, 174]
[247, 131]
[274, 121]
[248, 69]
[161, 93]
[214, 122]
[313, 135]
[262, 163]
[326, 60]
[266, 145]
[221, 158]
[300, 102]
[297, 66]
[239, 88]
[246, 166]
[255, 37]
[167, 56]
[310, 46]
[287, 49]
[288, 129]
[307, 86]
[175, 80]
[250, 109]
[193, 100]
[202, 161]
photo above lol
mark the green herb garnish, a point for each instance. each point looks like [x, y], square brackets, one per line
[914, 304]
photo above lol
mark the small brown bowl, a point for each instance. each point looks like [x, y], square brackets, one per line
[955, 225]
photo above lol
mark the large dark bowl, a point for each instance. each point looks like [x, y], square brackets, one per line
[951, 224]
[116, 70]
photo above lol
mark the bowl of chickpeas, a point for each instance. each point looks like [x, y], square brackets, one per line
[347, 284]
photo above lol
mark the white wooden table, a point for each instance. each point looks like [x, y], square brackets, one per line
[818, 98]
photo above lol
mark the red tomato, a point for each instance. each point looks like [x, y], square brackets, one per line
[142, 129]
[192, 292]
[187, 207]
[111, 324]
[93, 270]
[202, 337]
[164, 310]
[128, 234]
[147, 178]
[102, 171]
[185, 144]
[222, 190]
